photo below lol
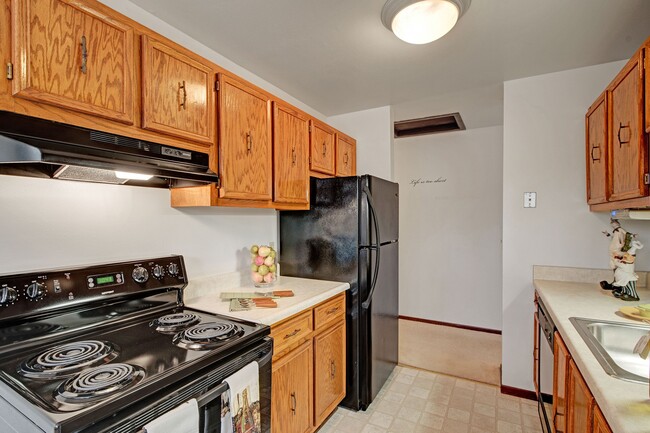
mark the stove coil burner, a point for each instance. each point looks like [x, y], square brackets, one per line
[175, 322]
[68, 359]
[207, 335]
[98, 383]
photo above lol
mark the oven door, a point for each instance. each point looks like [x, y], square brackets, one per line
[206, 389]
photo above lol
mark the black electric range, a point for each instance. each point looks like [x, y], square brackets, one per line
[99, 348]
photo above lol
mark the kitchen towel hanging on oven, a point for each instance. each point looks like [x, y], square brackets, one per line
[182, 419]
[240, 406]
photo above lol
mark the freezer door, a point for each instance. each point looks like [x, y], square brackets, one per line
[379, 332]
[385, 196]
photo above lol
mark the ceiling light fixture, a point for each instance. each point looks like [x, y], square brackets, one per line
[422, 21]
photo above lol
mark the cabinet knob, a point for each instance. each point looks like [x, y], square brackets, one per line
[84, 55]
[294, 403]
[324, 148]
[332, 369]
[182, 96]
[593, 158]
[249, 142]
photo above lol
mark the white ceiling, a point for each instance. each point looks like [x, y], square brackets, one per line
[336, 56]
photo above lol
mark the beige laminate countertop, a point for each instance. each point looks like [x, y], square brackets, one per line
[307, 293]
[626, 405]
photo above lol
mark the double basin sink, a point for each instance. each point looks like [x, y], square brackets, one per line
[612, 343]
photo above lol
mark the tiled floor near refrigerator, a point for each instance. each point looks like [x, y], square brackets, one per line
[423, 402]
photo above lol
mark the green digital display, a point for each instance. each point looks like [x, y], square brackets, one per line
[105, 279]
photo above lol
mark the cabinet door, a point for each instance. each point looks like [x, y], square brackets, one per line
[178, 92]
[560, 368]
[329, 371]
[626, 139]
[245, 152]
[600, 424]
[322, 148]
[596, 133]
[579, 402]
[647, 86]
[66, 53]
[290, 155]
[346, 155]
[292, 389]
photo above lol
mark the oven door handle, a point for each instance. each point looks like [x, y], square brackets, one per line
[223, 387]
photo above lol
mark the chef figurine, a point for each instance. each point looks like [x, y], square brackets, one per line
[622, 254]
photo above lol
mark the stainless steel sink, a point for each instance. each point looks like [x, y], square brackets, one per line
[612, 343]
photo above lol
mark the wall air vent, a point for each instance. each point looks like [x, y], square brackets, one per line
[428, 125]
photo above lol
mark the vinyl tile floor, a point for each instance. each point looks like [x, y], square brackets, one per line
[416, 401]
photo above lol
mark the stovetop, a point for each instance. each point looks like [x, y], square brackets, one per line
[102, 337]
[123, 359]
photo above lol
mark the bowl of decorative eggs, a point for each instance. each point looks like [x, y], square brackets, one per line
[263, 265]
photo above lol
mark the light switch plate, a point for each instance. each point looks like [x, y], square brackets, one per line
[530, 199]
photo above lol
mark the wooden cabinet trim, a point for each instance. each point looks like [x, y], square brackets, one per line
[22, 85]
[578, 390]
[600, 423]
[561, 359]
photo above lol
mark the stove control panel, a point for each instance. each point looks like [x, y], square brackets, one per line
[35, 292]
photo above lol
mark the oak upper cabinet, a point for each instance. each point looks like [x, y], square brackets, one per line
[177, 92]
[600, 425]
[596, 133]
[628, 152]
[70, 55]
[647, 85]
[561, 359]
[245, 150]
[580, 402]
[292, 390]
[346, 155]
[290, 156]
[322, 148]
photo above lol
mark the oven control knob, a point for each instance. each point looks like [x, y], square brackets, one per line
[158, 271]
[35, 291]
[172, 268]
[140, 275]
[8, 295]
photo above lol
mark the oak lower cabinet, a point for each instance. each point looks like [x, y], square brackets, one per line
[309, 361]
[580, 402]
[322, 148]
[346, 155]
[561, 359]
[72, 55]
[600, 425]
[177, 92]
[292, 390]
[574, 407]
[290, 157]
[596, 133]
[647, 86]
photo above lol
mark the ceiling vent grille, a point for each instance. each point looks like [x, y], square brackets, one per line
[428, 125]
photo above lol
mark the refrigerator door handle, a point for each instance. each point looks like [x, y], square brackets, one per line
[366, 304]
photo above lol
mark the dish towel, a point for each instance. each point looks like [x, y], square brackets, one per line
[182, 419]
[240, 405]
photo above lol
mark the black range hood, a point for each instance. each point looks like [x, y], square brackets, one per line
[42, 148]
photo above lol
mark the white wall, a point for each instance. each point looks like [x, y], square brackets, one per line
[544, 152]
[145, 18]
[373, 130]
[54, 223]
[450, 232]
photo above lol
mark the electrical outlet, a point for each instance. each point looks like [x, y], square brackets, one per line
[530, 199]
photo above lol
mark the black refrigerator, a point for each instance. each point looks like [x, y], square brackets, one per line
[350, 234]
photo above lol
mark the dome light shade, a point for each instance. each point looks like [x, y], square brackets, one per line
[422, 21]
